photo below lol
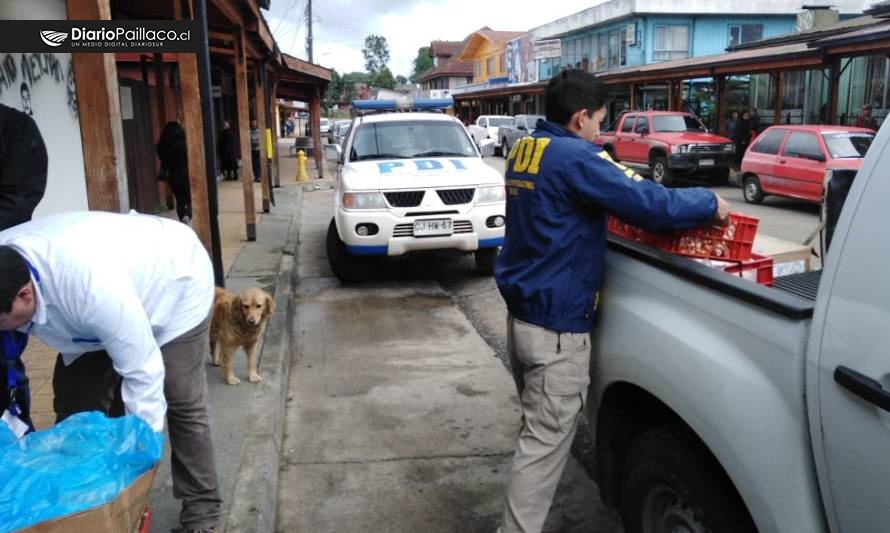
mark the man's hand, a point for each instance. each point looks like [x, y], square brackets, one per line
[721, 215]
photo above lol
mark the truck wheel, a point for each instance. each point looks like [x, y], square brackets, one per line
[719, 176]
[347, 268]
[661, 174]
[752, 191]
[486, 259]
[668, 483]
[505, 148]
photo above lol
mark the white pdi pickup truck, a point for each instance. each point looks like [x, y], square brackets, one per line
[719, 405]
[411, 180]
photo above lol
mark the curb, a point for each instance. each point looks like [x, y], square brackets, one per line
[254, 503]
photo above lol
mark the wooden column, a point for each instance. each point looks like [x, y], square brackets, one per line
[778, 78]
[276, 181]
[834, 75]
[670, 98]
[260, 111]
[96, 78]
[315, 116]
[633, 100]
[721, 104]
[160, 89]
[244, 132]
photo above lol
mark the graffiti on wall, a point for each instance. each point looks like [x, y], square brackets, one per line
[23, 72]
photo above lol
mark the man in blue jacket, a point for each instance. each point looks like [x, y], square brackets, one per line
[559, 188]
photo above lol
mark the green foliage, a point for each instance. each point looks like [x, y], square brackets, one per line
[376, 54]
[384, 79]
[401, 79]
[422, 62]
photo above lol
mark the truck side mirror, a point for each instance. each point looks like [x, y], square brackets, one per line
[332, 152]
[486, 148]
[522, 127]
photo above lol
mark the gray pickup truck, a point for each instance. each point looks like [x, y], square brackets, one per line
[719, 405]
[521, 126]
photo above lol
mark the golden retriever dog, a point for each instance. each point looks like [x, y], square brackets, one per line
[238, 320]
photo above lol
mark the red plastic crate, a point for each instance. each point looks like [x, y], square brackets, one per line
[731, 243]
[759, 268]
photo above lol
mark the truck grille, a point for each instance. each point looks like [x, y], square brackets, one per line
[407, 230]
[456, 196]
[708, 148]
[404, 198]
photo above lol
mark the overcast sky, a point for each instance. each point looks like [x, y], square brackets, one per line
[341, 26]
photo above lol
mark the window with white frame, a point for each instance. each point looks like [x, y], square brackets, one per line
[744, 33]
[671, 42]
[490, 65]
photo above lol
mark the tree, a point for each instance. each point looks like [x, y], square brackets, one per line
[422, 62]
[376, 53]
[384, 79]
[335, 89]
[401, 79]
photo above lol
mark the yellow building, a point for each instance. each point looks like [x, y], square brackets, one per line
[487, 49]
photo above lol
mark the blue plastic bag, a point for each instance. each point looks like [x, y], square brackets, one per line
[81, 463]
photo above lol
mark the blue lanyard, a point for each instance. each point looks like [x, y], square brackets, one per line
[13, 349]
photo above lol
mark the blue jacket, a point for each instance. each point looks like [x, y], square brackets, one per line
[559, 188]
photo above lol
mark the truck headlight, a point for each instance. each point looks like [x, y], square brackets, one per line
[728, 148]
[680, 148]
[490, 195]
[363, 200]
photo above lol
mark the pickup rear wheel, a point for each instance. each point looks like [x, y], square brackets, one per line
[347, 268]
[505, 148]
[751, 189]
[669, 483]
[660, 172]
[486, 259]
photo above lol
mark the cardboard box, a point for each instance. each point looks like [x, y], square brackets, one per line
[122, 515]
[788, 257]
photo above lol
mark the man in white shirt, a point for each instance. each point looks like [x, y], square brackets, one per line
[122, 298]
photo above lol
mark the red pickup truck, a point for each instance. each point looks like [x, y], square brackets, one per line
[671, 144]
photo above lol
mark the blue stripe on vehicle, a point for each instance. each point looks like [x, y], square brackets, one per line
[366, 250]
[491, 243]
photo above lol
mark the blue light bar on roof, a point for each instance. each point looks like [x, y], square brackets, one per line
[403, 103]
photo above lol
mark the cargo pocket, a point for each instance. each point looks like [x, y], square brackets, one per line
[565, 397]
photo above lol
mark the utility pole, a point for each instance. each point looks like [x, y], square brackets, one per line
[309, 28]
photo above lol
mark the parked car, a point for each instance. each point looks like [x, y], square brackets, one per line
[791, 160]
[338, 131]
[717, 404]
[486, 127]
[670, 144]
[521, 126]
[410, 182]
[324, 126]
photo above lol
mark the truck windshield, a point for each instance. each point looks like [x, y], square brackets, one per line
[532, 121]
[407, 139]
[848, 144]
[494, 122]
[677, 123]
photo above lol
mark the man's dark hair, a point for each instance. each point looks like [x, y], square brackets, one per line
[14, 274]
[24, 88]
[571, 91]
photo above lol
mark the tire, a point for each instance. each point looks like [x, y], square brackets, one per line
[719, 176]
[661, 174]
[669, 483]
[486, 259]
[347, 268]
[751, 189]
[505, 148]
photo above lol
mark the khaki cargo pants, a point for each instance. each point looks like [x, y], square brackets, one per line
[551, 373]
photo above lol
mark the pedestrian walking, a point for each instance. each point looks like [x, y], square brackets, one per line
[23, 169]
[126, 301]
[228, 151]
[173, 153]
[560, 187]
[255, 149]
[742, 138]
[731, 125]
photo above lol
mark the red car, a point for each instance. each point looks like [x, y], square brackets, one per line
[791, 160]
[671, 144]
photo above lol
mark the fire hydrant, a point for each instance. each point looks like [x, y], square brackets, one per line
[301, 166]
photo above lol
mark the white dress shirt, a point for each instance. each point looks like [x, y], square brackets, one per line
[127, 284]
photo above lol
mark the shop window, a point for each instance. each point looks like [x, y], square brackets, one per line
[671, 42]
[744, 33]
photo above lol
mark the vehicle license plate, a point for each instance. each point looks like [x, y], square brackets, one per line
[427, 228]
[706, 163]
